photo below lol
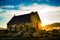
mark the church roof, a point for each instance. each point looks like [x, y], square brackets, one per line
[20, 19]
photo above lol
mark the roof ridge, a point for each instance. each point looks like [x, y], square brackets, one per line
[27, 14]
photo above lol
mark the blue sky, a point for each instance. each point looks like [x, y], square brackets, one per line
[49, 10]
[27, 2]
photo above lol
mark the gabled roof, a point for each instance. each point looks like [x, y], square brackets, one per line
[20, 19]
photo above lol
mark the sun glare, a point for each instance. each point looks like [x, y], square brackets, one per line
[45, 22]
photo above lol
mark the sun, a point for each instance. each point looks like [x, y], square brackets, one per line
[45, 22]
[42, 25]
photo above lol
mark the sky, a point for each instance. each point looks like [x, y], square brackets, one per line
[48, 10]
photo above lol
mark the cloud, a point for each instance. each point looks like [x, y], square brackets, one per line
[7, 7]
[48, 14]
[43, 10]
[1, 10]
[34, 6]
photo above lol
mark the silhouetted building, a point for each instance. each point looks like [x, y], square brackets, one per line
[22, 22]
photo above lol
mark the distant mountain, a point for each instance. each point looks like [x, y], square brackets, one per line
[3, 29]
[54, 25]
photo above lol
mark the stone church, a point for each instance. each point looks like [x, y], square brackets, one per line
[22, 22]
